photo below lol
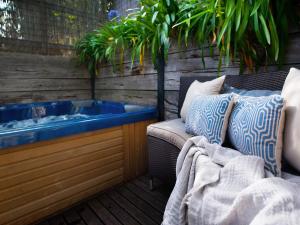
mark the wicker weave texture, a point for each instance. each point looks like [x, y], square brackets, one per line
[162, 159]
[264, 81]
[163, 155]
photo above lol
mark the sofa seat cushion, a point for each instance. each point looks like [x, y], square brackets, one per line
[171, 131]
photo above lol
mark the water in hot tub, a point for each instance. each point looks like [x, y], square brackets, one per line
[38, 114]
[40, 121]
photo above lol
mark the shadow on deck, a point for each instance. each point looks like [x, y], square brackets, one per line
[131, 203]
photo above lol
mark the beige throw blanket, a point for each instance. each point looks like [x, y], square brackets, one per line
[220, 186]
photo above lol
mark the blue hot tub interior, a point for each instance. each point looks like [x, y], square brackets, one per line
[28, 123]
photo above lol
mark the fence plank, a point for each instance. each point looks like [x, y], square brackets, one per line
[139, 85]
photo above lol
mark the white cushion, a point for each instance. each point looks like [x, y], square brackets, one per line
[212, 87]
[291, 95]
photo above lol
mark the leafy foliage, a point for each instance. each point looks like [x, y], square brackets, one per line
[153, 23]
[102, 45]
[147, 28]
[255, 31]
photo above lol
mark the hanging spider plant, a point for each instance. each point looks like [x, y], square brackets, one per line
[244, 29]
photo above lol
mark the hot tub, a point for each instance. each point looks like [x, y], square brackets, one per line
[55, 154]
[29, 123]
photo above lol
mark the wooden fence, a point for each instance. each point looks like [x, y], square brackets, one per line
[139, 86]
[49, 27]
[27, 77]
[40, 29]
[31, 78]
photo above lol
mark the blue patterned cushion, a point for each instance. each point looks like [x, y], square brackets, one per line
[208, 116]
[251, 93]
[254, 126]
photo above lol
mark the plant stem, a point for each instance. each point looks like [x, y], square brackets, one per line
[93, 82]
[161, 84]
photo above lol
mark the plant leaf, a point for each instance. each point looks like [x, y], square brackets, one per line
[265, 28]
[168, 19]
[154, 16]
[256, 6]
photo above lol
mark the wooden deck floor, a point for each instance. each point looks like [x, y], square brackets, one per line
[128, 204]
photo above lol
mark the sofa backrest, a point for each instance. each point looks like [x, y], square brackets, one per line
[264, 81]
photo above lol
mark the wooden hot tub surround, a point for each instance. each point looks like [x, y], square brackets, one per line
[38, 179]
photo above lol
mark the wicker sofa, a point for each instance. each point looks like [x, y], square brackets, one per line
[165, 139]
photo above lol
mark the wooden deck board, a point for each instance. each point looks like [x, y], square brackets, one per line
[117, 211]
[88, 216]
[131, 209]
[128, 204]
[103, 213]
[145, 186]
[141, 204]
[57, 220]
[158, 204]
[72, 217]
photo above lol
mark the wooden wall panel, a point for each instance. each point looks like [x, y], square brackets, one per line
[136, 155]
[38, 175]
[138, 85]
[42, 96]
[133, 96]
[33, 78]
[39, 179]
[64, 203]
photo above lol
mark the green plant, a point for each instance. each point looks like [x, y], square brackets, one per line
[244, 29]
[253, 31]
[148, 28]
[154, 21]
[102, 45]
[153, 26]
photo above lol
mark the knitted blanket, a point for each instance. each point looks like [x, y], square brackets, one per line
[217, 185]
